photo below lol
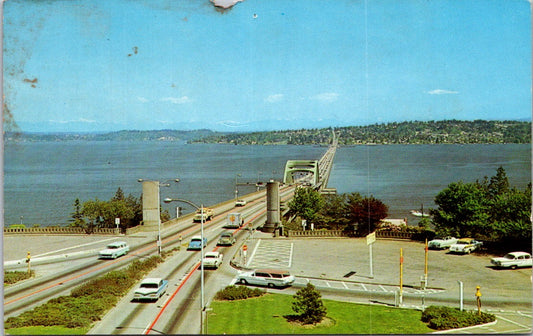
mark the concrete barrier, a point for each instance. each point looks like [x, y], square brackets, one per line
[59, 230]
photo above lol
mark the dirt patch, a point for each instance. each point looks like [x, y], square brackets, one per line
[293, 320]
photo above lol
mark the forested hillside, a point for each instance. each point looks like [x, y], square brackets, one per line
[409, 132]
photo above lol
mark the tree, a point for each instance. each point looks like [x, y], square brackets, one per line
[366, 213]
[488, 210]
[333, 214]
[461, 210]
[119, 195]
[77, 216]
[306, 204]
[94, 211]
[499, 183]
[308, 304]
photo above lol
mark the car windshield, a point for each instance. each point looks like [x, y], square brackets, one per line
[509, 256]
[463, 242]
[149, 285]
[196, 240]
[210, 256]
[112, 246]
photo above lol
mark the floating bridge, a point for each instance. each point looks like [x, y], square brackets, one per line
[312, 173]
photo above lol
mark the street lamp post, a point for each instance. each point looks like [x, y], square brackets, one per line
[236, 190]
[202, 296]
[159, 184]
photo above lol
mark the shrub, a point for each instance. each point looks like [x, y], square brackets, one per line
[231, 293]
[308, 305]
[441, 318]
[88, 302]
[12, 277]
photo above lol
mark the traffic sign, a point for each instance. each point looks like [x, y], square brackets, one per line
[371, 238]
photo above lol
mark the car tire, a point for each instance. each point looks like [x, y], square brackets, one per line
[513, 267]
[243, 281]
[270, 285]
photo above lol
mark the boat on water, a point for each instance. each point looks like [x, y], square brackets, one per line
[419, 213]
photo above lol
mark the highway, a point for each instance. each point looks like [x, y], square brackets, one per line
[180, 270]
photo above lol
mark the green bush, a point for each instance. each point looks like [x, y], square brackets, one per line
[88, 302]
[238, 293]
[17, 226]
[441, 318]
[12, 277]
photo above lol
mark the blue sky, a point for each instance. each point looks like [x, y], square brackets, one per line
[104, 65]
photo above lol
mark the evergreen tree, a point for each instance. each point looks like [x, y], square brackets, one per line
[308, 304]
[77, 216]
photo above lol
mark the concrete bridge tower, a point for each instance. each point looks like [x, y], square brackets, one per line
[151, 211]
[273, 208]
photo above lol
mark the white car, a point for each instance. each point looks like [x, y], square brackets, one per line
[266, 277]
[465, 245]
[442, 243]
[114, 250]
[240, 203]
[151, 289]
[213, 259]
[513, 260]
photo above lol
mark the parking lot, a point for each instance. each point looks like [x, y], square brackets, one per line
[345, 262]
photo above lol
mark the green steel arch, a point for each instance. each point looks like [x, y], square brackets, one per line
[303, 166]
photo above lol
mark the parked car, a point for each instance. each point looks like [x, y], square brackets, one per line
[465, 245]
[442, 243]
[196, 243]
[151, 289]
[266, 277]
[240, 203]
[226, 238]
[114, 250]
[513, 260]
[213, 259]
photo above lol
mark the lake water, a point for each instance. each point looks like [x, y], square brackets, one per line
[42, 179]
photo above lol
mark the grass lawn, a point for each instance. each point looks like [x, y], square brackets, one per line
[265, 315]
[53, 330]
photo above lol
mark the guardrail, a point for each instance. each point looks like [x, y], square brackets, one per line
[316, 233]
[341, 233]
[59, 230]
[394, 235]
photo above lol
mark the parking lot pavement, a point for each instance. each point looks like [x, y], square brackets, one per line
[506, 323]
[345, 262]
[270, 253]
[342, 265]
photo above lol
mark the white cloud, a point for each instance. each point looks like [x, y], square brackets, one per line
[179, 100]
[142, 99]
[274, 98]
[326, 97]
[441, 92]
[231, 123]
[80, 120]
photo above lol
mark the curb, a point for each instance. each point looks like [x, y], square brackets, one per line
[50, 259]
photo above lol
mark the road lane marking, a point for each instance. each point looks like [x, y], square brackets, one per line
[514, 322]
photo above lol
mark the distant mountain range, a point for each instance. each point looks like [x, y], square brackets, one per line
[409, 132]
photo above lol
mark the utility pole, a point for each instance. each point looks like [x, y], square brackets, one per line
[401, 276]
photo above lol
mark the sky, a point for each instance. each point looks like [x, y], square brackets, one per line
[108, 65]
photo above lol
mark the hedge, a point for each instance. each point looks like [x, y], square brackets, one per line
[442, 318]
[231, 293]
[88, 302]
